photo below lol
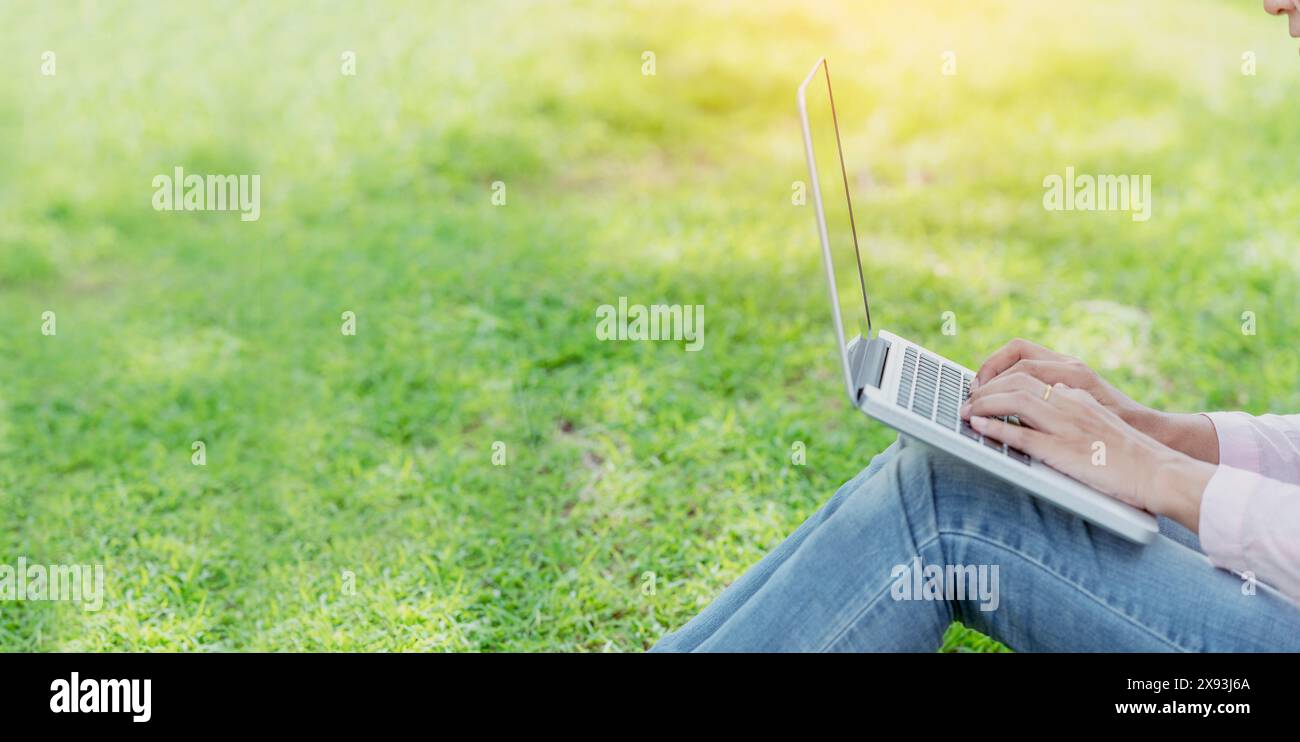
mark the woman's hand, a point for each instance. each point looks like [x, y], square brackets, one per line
[1048, 366]
[1069, 430]
[1192, 434]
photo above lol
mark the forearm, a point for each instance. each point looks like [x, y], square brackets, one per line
[1189, 433]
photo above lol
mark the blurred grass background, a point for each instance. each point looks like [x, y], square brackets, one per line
[372, 454]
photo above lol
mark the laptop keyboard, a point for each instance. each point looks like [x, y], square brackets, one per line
[935, 390]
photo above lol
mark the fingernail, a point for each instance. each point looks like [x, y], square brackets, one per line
[978, 422]
[975, 383]
[965, 409]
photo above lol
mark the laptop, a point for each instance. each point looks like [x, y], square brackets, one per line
[899, 383]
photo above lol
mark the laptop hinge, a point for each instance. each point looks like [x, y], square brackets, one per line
[867, 363]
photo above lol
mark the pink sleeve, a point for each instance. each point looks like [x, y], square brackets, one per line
[1267, 444]
[1251, 524]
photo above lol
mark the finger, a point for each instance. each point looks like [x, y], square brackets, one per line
[1004, 357]
[1027, 406]
[1070, 398]
[1068, 372]
[1010, 381]
[1030, 441]
[1007, 383]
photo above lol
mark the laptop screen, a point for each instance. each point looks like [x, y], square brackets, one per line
[825, 124]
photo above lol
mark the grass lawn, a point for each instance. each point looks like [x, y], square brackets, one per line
[372, 454]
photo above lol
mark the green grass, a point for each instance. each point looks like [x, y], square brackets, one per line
[372, 454]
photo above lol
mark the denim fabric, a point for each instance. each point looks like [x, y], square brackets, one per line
[1062, 584]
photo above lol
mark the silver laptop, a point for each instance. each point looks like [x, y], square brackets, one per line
[899, 383]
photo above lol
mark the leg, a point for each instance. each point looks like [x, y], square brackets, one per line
[1069, 586]
[690, 636]
[1062, 585]
[833, 590]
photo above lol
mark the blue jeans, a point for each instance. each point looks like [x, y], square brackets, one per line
[1061, 584]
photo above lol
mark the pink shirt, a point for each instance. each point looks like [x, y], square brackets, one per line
[1250, 512]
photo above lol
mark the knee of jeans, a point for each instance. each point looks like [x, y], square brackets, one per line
[911, 481]
[911, 473]
[961, 497]
[922, 472]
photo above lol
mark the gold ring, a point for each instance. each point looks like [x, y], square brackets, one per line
[1047, 392]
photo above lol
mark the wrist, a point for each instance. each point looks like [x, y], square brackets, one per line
[1191, 433]
[1177, 484]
